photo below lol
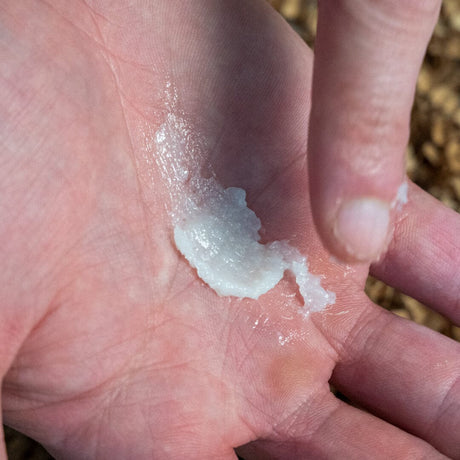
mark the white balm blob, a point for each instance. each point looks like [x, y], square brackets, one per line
[218, 234]
[220, 238]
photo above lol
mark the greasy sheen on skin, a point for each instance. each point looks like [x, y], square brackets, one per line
[219, 235]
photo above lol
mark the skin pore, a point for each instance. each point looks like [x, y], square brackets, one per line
[112, 347]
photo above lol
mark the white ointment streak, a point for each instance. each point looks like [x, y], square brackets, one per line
[218, 234]
[401, 196]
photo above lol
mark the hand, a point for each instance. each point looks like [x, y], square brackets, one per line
[111, 345]
[367, 58]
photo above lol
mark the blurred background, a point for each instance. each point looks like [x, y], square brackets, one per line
[433, 158]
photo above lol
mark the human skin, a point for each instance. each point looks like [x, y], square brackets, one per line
[367, 58]
[111, 346]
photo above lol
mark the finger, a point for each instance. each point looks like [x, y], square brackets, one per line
[404, 373]
[367, 56]
[340, 431]
[424, 254]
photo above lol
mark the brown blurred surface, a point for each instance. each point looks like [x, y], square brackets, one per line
[433, 159]
[20, 447]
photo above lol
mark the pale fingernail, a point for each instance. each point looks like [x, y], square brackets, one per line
[362, 227]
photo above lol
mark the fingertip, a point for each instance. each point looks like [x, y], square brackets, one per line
[355, 226]
[361, 228]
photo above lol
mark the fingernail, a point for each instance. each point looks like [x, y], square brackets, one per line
[362, 227]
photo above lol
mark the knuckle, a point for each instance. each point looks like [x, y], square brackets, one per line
[379, 139]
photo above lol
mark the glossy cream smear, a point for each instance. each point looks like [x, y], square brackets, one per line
[218, 234]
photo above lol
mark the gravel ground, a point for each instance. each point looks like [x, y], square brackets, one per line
[433, 158]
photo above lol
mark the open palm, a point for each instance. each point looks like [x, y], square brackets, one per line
[112, 347]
